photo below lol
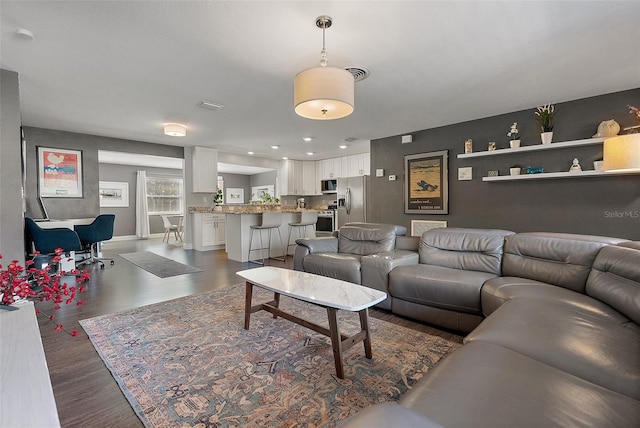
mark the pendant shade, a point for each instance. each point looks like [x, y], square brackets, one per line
[324, 93]
[622, 153]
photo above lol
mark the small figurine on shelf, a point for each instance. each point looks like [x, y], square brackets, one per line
[468, 146]
[492, 146]
[575, 166]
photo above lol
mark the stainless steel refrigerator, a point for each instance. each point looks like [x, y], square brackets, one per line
[352, 200]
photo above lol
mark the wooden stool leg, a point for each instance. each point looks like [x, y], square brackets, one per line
[276, 299]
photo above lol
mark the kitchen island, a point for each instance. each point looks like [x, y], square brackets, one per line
[238, 222]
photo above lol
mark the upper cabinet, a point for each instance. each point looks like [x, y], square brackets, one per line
[204, 162]
[355, 165]
[298, 178]
[330, 168]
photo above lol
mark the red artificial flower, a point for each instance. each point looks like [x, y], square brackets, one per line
[59, 327]
[74, 333]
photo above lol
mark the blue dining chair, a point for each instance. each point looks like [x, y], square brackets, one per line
[46, 241]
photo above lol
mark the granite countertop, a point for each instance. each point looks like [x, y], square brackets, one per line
[250, 209]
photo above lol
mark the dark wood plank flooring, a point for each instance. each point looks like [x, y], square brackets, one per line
[86, 394]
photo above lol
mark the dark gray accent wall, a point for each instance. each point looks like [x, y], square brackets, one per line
[88, 205]
[125, 224]
[232, 181]
[11, 204]
[608, 206]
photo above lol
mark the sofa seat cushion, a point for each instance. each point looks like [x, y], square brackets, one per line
[376, 267]
[584, 345]
[496, 291]
[485, 385]
[441, 287]
[334, 265]
[388, 415]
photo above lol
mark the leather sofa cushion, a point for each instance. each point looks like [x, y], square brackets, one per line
[376, 268]
[581, 344]
[441, 287]
[496, 291]
[468, 249]
[334, 265]
[554, 258]
[485, 385]
[615, 280]
[388, 415]
[364, 240]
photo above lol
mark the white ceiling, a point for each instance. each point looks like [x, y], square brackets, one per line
[122, 69]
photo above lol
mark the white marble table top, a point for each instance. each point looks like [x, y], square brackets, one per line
[316, 289]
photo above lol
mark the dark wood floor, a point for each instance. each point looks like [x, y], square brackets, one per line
[86, 394]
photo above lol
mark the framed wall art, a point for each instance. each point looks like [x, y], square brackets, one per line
[235, 195]
[426, 189]
[114, 194]
[59, 173]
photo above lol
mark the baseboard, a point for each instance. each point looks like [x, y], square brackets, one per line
[134, 237]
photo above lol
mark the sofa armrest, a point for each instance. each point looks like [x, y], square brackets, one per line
[389, 415]
[308, 246]
[376, 267]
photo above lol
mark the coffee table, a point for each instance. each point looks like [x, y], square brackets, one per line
[329, 293]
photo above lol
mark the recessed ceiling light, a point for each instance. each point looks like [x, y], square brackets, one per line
[249, 153]
[25, 34]
[274, 147]
[342, 146]
[310, 153]
[175, 130]
[307, 139]
[285, 157]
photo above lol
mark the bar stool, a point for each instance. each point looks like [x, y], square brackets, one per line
[270, 221]
[308, 218]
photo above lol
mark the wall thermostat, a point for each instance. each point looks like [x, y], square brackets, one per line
[392, 178]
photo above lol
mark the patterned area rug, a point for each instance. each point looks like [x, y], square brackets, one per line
[159, 266]
[189, 362]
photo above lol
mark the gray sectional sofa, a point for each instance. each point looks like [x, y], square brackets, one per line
[553, 322]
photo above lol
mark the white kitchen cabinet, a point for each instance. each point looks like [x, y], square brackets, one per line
[357, 165]
[204, 161]
[298, 178]
[209, 231]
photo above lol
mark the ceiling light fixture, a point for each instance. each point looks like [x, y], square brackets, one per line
[285, 157]
[307, 139]
[25, 34]
[175, 130]
[310, 153]
[274, 147]
[324, 93]
[249, 153]
[342, 146]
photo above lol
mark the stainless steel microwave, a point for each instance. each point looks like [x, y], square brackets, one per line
[329, 186]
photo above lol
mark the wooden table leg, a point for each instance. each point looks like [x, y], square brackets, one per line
[336, 341]
[276, 299]
[247, 304]
[364, 325]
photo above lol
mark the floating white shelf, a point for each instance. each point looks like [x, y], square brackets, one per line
[550, 175]
[552, 146]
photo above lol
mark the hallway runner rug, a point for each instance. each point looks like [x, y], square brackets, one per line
[159, 266]
[189, 362]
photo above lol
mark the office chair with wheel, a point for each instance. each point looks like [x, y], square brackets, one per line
[91, 235]
[46, 241]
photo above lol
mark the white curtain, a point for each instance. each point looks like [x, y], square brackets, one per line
[142, 210]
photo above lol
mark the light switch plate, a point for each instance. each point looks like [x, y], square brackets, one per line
[392, 178]
[380, 172]
[465, 174]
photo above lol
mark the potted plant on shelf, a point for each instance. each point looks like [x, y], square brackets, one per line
[514, 143]
[515, 169]
[544, 116]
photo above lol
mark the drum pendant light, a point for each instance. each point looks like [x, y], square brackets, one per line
[324, 93]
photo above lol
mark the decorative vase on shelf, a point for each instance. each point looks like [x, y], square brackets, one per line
[546, 137]
[514, 144]
[515, 170]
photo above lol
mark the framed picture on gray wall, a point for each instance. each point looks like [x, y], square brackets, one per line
[426, 189]
[114, 194]
[59, 173]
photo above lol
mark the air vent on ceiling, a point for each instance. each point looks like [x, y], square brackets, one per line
[359, 73]
[350, 139]
[210, 105]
